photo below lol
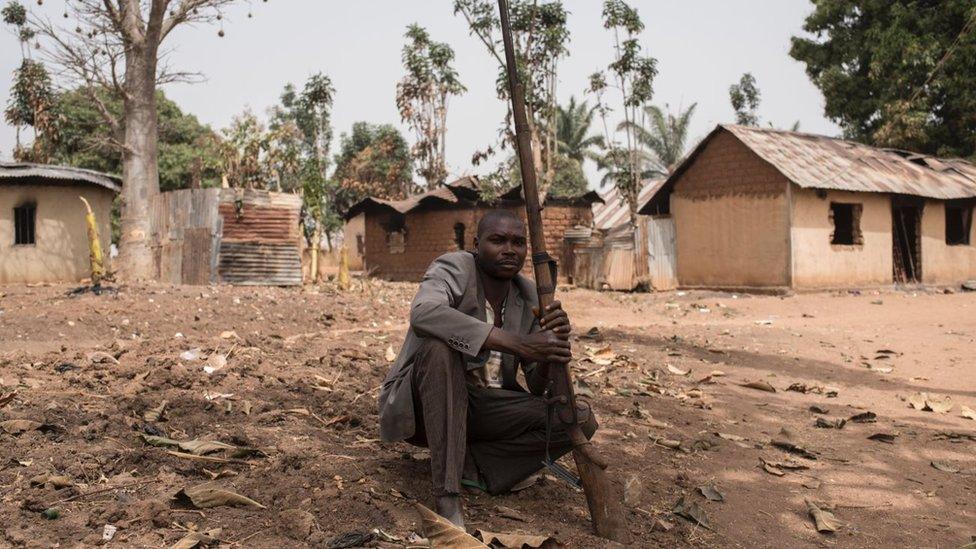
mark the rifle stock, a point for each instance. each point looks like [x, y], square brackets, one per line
[604, 503]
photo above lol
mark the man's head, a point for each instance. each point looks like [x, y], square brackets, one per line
[501, 244]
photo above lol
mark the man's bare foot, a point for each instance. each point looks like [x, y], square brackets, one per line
[449, 507]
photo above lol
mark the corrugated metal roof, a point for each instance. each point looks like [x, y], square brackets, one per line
[450, 193]
[821, 162]
[614, 211]
[11, 171]
[816, 161]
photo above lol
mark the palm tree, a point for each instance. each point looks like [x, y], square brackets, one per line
[572, 128]
[665, 136]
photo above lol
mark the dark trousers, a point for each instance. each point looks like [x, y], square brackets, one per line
[503, 431]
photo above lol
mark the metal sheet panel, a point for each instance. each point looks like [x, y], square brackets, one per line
[661, 258]
[259, 264]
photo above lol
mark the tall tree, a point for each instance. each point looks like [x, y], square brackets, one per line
[896, 73]
[573, 124]
[422, 98]
[664, 135]
[633, 76]
[744, 97]
[373, 160]
[32, 100]
[310, 112]
[188, 150]
[541, 35]
[116, 45]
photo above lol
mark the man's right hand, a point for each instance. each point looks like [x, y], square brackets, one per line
[545, 346]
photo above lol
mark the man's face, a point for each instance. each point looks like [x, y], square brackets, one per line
[502, 248]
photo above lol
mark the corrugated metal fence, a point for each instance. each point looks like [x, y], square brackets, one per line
[235, 236]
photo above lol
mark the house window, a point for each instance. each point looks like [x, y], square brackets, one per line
[847, 224]
[24, 224]
[958, 224]
[459, 235]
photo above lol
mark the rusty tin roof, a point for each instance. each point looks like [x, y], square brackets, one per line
[821, 162]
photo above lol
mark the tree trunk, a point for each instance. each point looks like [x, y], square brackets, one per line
[140, 166]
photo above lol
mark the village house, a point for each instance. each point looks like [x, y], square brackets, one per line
[401, 237]
[770, 209]
[43, 232]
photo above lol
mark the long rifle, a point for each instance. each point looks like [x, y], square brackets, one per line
[605, 505]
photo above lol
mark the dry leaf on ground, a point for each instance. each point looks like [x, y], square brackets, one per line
[678, 371]
[691, 511]
[939, 405]
[863, 417]
[390, 354]
[917, 400]
[824, 423]
[785, 441]
[761, 385]
[942, 466]
[442, 533]
[205, 496]
[517, 541]
[888, 438]
[711, 493]
[198, 539]
[18, 426]
[195, 447]
[967, 412]
[155, 414]
[57, 481]
[824, 520]
[5, 399]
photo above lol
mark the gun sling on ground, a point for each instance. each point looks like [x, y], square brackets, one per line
[605, 505]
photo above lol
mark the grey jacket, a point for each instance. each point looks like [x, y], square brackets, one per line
[450, 305]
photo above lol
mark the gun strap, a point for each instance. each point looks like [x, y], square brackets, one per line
[539, 258]
[558, 470]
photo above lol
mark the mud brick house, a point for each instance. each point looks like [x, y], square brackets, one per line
[43, 233]
[402, 237]
[770, 209]
[232, 236]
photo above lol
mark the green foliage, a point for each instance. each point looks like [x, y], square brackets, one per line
[573, 123]
[33, 102]
[634, 73]
[187, 148]
[373, 160]
[665, 136]
[896, 73]
[745, 97]
[422, 97]
[569, 180]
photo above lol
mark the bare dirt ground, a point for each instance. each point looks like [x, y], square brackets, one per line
[301, 376]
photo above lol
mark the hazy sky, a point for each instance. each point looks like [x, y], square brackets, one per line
[702, 47]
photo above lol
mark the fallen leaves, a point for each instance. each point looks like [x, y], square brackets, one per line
[390, 354]
[198, 539]
[20, 426]
[785, 441]
[711, 493]
[930, 403]
[442, 533]
[692, 511]
[825, 521]
[945, 467]
[155, 414]
[863, 417]
[678, 371]
[967, 412]
[56, 481]
[519, 541]
[823, 423]
[760, 385]
[887, 438]
[206, 496]
[7, 398]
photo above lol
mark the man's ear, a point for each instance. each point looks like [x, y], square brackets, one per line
[475, 242]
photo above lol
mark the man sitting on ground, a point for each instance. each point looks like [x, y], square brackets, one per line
[454, 386]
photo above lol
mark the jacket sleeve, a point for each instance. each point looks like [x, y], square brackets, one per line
[434, 309]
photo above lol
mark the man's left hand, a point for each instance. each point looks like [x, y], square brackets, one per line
[556, 319]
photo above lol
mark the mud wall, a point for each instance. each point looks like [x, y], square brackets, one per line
[731, 220]
[941, 263]
[819, 264]
[60, 253]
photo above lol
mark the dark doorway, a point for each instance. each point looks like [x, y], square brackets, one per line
[906, 231]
